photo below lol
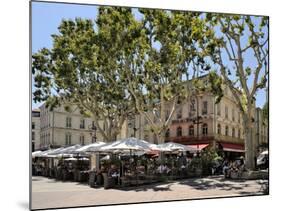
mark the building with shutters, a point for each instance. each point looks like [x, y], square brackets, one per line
[35, 129]
[59, 127]
[201, 122]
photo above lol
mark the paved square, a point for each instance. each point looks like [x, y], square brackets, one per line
[49, 193]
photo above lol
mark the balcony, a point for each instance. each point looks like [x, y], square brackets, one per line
[203, 139]
[228, 139]
[190, 139]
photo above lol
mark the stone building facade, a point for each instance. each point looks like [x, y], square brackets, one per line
[62, 128]
[200, 122]
[35, 129]
[261, 126]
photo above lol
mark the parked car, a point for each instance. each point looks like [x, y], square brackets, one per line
[263, 160]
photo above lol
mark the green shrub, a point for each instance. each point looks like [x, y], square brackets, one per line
[208, 157]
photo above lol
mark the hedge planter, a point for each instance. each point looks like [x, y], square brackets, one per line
[198, 172]
[92, 179]
[76, 176]
[109, 182]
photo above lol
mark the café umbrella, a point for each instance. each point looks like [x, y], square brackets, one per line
[75, 159]
[128, 144]
[66, 150]
[36, 153]
[63, 152]
[44, 153]
[52, 152]
[90, 147]
[172, 147]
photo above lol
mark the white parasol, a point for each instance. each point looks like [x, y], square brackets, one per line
[90, 147]
[66, 150]
[128, 144]
[171, 147]
[36, 153]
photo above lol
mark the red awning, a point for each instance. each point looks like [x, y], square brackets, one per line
[198, 146]
[232, 147]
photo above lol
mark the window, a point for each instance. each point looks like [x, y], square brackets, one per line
[239, 133]
[239, 117]
[205, 129]
[131, 122]
[205, 108]
[233, 115]
[67, 139]
[82, 139]
[179, 131]
[192, 105]
[191, 130]
[226, 130]
[33, 125]
[68, 121]
[218, 109]
[226, 112]
[48, 138]
[33, 136]
[82, 123]
[167, 134]
[179, 114]
[219, 129]
[35, 113]
[233, 132]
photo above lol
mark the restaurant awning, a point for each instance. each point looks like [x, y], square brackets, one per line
[232, 147]
[198, 146]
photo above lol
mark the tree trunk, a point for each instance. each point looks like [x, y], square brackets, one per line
[249, 143]
[161, 137]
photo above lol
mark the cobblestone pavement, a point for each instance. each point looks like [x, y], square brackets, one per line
[47, 193]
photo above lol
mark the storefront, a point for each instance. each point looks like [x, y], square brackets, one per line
[231, 150]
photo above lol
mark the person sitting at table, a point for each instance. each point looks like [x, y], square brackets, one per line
[168, 170]
[161, 169]
[113, 172]
[226, 168]
[38, 170]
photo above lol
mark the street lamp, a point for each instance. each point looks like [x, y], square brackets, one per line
[94, 134]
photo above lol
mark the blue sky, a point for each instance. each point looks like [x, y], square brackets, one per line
[46, 17]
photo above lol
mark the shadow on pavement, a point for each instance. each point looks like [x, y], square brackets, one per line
[221, 184]
[155, 187]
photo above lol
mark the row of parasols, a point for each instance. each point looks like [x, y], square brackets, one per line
[128, 145]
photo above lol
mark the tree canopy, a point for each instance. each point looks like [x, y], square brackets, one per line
[118, 65]
[240, 47]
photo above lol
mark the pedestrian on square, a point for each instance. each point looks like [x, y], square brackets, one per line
[226, 168]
